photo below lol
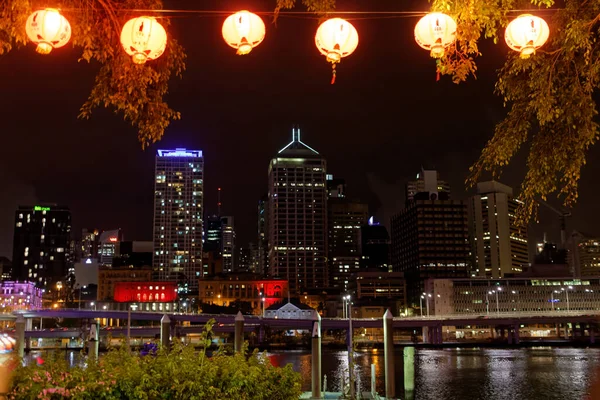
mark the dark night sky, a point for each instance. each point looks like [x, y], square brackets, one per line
[384, 118]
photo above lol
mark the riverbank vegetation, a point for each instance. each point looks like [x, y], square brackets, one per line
[178, 373]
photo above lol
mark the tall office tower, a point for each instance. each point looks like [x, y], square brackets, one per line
[336, 187]
[213, 235]
[344, 219]
[178, 199]
[89, 243]
[430, 239]
[228, 244]
[427, 181]
[262, 265]
[374, 246]
[107, 246]
[583, 256]
[246, 261]
[41, 244]
[298, 216]
[498, 245]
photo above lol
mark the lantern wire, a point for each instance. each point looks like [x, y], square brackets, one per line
[302, 14]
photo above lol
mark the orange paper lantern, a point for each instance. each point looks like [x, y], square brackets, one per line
[526, 34]
[48, 29]
[435, 32]
[144, 39]
[336, 38]
[243, 31]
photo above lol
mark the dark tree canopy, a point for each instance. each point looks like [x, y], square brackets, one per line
[549, 96]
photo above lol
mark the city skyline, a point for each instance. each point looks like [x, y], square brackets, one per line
[385, 117]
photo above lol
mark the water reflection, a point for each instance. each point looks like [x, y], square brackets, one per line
[458, 374]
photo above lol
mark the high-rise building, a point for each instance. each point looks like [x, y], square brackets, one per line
[89, 244]
[247, 259]
[374, 246]
[584, 255]
[427, 181]
[134, 254]
[336, 187]
[345, 219]
[41, 244]
[298, 216]
[5, 269]
[430, 238]
[263, 238]
[178, 200]
[498, 244]
[228, 244]
[107, 246]
[213, 234]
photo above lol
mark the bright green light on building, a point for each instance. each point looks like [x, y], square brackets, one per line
[40, 208]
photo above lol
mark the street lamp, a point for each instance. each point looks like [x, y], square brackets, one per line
[93, 305]
[497, 307]
[263, 304]
[567, 293]
[350, 346]
[421, 305]
[487, 302]
[552, 296]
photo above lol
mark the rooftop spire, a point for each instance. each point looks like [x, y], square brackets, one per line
[296, 143]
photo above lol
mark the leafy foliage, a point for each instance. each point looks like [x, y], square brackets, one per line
[136, 91]
[180, 373]
[549, 96]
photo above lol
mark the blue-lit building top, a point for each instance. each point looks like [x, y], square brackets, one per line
[178, 210]
[180, 153]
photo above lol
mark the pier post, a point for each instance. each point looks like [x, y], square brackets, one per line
[426, 334]
[93, 343]
[316, 357]
[409, 373]
[239, 332]
[20, 330]
[373, 382]
[165, 331]
[592, 332]
[388, 353]
[516, 333]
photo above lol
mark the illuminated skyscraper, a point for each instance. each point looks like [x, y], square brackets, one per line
[228, 244]
[41, 244]
[178, 199]
[499, 245]
[297, 216]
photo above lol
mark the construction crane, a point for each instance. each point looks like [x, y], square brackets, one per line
[563, 214]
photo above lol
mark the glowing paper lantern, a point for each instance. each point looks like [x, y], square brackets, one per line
[435, 32]
[526, 34]
[48, 29]
[144, 39]
[243, 31]
[336, 38]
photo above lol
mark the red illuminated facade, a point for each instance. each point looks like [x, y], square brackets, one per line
[145, 292]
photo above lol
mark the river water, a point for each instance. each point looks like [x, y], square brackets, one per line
[462, 374]
[452, 374]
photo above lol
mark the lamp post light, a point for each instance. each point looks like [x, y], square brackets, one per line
[93, 305]
[497, 305]
[487, 302]
[426, 296]
[350, 347]
[552, 297]
[263, 304]
[421, 305]
[567, 293]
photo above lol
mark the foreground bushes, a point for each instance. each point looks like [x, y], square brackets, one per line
[180, 373]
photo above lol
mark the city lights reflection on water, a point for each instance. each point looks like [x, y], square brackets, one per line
[537, 373]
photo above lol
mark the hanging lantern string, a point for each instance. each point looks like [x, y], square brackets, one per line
[301, 14]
